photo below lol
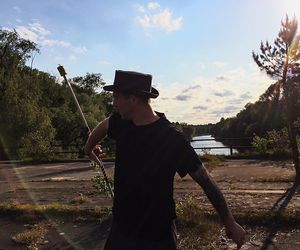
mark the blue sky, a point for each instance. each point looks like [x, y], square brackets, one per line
[199, 52]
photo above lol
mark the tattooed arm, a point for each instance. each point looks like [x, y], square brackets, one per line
[214, 194]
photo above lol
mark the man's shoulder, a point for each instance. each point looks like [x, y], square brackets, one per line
[172, 131]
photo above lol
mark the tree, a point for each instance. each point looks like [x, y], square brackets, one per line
[282, 62]
[90, 82]
[22, 120]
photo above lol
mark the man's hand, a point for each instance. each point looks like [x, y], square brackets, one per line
[235, 232]
[98, 151]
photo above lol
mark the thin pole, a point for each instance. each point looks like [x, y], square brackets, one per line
[63, 73]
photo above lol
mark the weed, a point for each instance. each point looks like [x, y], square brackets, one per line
[33, 237]
[53, 210]
[79, 199]
[196, 228]
[211, 161]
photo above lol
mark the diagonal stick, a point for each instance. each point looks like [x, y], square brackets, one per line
[98, 159]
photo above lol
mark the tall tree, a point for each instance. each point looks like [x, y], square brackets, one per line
[282, 62]
[25, 127]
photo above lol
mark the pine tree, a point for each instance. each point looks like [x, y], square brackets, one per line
[282, 62]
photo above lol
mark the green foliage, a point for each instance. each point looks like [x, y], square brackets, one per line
[36, 111]
[260, 144]
[89, 83]
[258, 118]
[40, 148]
[279, 106]
[196, 228]
[99, 183]
[275, 143]
[14, 51]
[211, 161]
[282, 62]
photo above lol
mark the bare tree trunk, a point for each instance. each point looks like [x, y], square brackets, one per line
[292, 135]
[295, 151]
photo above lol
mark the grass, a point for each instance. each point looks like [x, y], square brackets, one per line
[197, 227]
[30, 212]
[189, 211]
[211, 161]
[32, 237]
[259, 156]
[79, 199]
[287, 218]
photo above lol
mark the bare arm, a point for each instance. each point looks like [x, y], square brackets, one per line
[96, 136]
[214, 194]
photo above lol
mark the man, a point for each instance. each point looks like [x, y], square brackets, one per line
[149, 151]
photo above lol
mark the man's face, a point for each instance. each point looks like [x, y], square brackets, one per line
[123, 104]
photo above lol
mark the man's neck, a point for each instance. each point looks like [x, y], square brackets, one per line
[144, 115]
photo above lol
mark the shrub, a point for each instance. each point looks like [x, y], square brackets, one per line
[275, 143]
[99, 183]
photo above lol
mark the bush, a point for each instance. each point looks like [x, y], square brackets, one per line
[99, 183]
[275, 143]
[36, 146]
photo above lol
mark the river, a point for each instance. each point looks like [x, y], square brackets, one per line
[210, 143]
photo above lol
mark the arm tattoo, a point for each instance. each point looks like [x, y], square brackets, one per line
[213, 193]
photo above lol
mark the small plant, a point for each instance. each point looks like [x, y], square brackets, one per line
[80, 199]
[211, 161]
[99, 183]
[197, 229]
[275, 143]
[260, 144]
[33, 237]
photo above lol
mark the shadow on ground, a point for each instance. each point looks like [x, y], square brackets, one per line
[278, 208]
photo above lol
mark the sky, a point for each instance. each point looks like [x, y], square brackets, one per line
[198, 52]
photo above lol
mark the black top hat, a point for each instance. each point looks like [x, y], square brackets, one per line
[133, 82]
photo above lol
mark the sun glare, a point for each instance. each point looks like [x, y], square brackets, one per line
[290, 7]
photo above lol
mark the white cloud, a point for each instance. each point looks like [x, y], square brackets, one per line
[38, 28]
[201, 107]
[220, 64]
[155, 17]
[203, 100]
[52, 42]
[27, 33]
[139, 8]
[153, 6]
[37, 33]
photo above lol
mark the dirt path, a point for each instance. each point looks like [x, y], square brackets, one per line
[246, 184]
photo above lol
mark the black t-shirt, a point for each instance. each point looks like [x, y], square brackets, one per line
[147, 158]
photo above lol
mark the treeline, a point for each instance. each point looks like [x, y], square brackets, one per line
[279, 106]
[266, 114]
[38, 117]
[191, 131]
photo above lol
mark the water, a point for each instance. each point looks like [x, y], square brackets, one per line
[210, 143]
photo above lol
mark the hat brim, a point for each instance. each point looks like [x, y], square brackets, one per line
[153, 94]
